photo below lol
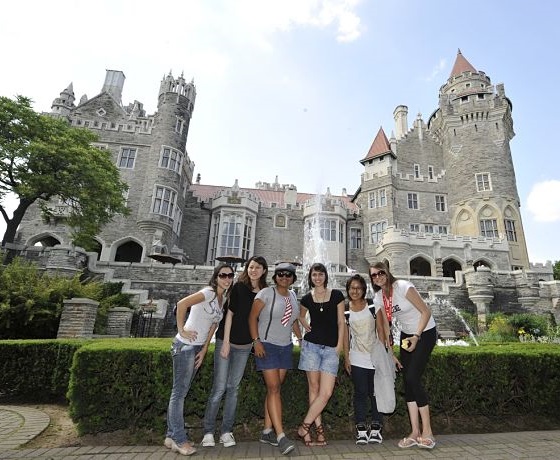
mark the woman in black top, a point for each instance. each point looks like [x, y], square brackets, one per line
[321, 347]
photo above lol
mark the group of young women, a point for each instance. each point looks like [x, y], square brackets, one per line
[249, 315]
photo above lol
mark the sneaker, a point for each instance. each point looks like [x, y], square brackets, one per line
[208, 440]
[269, 438]
[361, 434]
[167, 443]
[227, 439]
[184, 449]
[375, 436]
[285, 445]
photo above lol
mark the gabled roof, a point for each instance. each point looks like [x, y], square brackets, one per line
[461, 65]
[379, 147]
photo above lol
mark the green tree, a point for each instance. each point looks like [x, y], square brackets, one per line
[556, 270]
[44, 158]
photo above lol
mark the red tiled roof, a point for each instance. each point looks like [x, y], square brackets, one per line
[266, 197]
[380, 146]
[461, 65]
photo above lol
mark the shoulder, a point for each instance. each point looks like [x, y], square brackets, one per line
[307, 298]
[337, 295]
[402, 286]
[265, 292]
[208, 293]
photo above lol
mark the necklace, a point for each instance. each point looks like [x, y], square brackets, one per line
[325, 292]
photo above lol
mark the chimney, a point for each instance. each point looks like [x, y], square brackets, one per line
[401, 122]
[114, 82]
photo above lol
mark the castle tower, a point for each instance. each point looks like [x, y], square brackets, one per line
[114, 82]
[171, 170]
[474, 126]
[63, 104]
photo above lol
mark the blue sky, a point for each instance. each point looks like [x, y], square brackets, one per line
[299, 88]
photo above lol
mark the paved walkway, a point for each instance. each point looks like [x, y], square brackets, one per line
[20, 424]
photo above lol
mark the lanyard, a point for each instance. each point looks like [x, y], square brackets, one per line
[388, 304]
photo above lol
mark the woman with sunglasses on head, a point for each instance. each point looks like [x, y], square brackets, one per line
[233, 346]
[271, 323]
[418, 338]
[320, 348]
[189, 348]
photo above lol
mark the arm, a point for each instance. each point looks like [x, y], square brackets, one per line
[202, 353]
[303, 318]
[296, 330]
[182, 307]
[256, 309]
[415, 299]
[341, 323]
[224, 353]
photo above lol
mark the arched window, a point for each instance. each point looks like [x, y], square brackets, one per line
[450, 266]
[420, 267]
[129, 252]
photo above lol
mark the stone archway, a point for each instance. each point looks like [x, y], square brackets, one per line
[450, 266]
[420, 267]
[130, 251]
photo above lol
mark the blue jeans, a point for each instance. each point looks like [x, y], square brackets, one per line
[364, 396]
[227, 376]
[183, 356]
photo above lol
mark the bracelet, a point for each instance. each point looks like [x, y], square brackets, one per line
[258, 339]
[417, 335]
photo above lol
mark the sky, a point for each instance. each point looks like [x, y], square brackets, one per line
[297, 89]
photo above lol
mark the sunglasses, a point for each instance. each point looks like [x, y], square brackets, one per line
[226, 275]
[377, 275]
[284, 274]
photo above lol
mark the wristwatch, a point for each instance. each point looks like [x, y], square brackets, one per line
[417, 335]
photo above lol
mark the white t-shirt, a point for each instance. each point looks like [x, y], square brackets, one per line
[404, 311]
[363, 335]
[201, 316]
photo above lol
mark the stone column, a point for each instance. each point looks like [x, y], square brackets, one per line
[119, 321]
[78, 318]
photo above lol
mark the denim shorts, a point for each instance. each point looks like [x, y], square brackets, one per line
[321, 358]
[276, 357]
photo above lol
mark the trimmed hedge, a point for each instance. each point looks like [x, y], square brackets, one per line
[36, 370]
[125, 383]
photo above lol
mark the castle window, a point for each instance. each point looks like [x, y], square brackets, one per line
[372, 200]
[464, 99]
[416, 171]
[414, 228]
[230, 239]
[101, 112]
[86, 124]
[177, 219]
[489, 228]
[355, 238]
[171, 159]
[340, 232]
[483, 182]
[280, 221]
[382, 198]
[179, 124]
[247, 233]
[511, 234]
[480, 96]
[164, 201]
[413, 201]
[430, 172]
[376, 230]
[428, 228]
[440, 203]
[127, 158]
[327, 229]
[442, 229]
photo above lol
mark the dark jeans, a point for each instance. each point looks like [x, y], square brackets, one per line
[414, 364]
[364, 396]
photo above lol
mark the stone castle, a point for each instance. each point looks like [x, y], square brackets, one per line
[437, 201]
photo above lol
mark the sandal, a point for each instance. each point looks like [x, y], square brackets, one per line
[405, 443]
[306, 436]
[427, 443]
[320, 431]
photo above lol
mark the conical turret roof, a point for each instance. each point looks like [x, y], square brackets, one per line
[461, 65]
[379, 147]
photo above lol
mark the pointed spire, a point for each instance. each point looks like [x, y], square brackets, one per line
[69, 89]
[380, 146]
[461, 65]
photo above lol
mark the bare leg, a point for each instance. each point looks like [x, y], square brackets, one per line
[273, 379]
[414, 420]
[426, 424]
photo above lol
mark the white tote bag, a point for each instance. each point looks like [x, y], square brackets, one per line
[384, 379]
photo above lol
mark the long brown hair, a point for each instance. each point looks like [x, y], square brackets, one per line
[384, 268]
[244, 277]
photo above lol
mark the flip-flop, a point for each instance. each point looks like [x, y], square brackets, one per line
[405, 443]
[427, 443]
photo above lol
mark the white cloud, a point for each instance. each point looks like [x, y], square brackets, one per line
[543, 201]
[436, 71]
